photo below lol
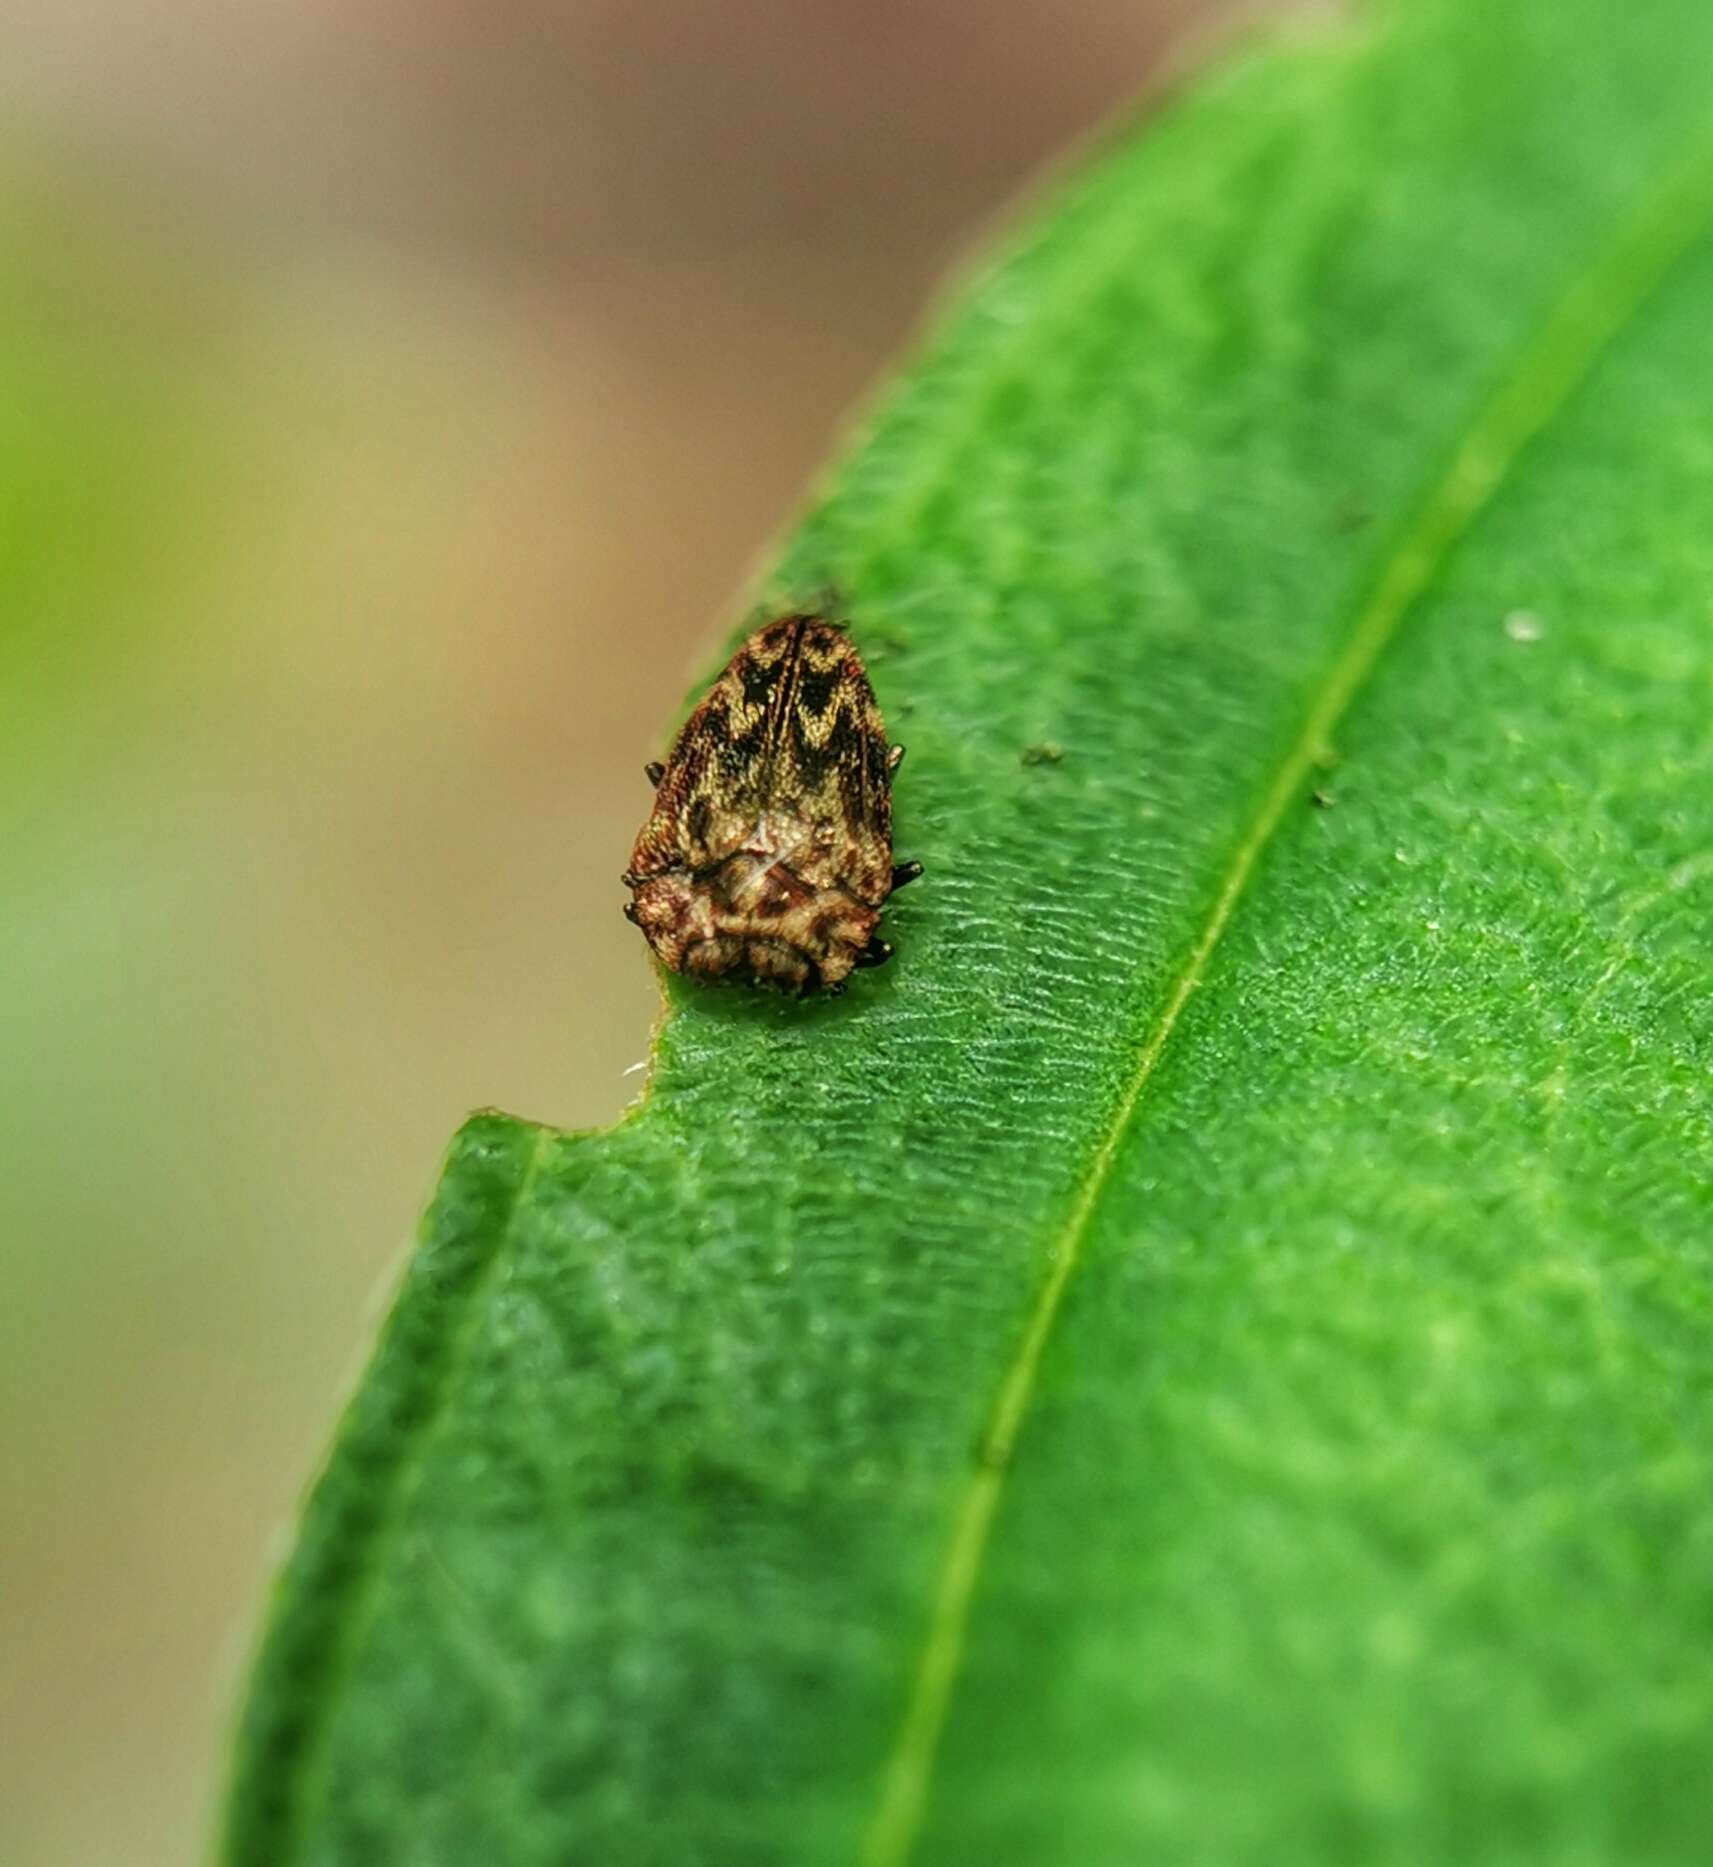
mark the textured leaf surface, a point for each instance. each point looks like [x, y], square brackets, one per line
[1205, 1358]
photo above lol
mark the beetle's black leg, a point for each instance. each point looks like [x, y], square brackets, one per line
[905, 872]
[876, 953]
[894, 758]
[654, 771]
[630, 913]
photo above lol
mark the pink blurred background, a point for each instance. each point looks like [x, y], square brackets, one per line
[392, 404]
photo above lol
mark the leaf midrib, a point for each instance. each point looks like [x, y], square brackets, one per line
[1546, 374]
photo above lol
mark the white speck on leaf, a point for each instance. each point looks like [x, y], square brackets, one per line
[1523, 625]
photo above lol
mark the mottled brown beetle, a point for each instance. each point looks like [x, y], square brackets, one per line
[768, 855]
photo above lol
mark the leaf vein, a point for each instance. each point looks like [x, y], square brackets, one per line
[1546, 374]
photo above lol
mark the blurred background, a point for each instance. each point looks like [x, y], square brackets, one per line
[392, 403]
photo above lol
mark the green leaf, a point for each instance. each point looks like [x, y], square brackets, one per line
[1205, 1358]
